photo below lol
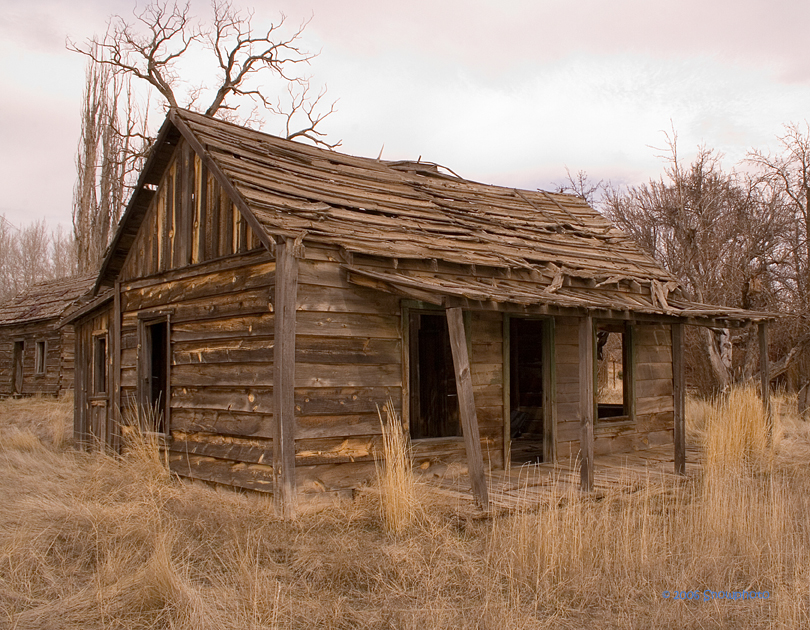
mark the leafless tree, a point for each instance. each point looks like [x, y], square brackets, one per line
[786, 175]
[719, 233]
[244, 61]
[583, 186]
[112, 144]
[32, 254]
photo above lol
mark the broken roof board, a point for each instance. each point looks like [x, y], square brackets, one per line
[409, 210]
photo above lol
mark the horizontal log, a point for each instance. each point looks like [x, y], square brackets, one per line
[198, 286]
[344, 400]
[347, 325]
[251, 451]
[217, 306]
[656, 404]
[236, 327]
[227, 351]
[658, 421]
[329, 477]
[337, 350]
[231, 423]
[236, 399]
[257, 477]
[351, 299]
[486, 374]
[654, 371]
[651, 388]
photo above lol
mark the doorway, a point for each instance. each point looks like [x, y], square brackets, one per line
[17, 368]
[527, 390]
[434, 411]
[155, 375]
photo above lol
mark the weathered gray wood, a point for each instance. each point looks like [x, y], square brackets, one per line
[765, 374]
[506, 356]
[629, 360]
[549, 393]
[679, 395]
[284, 377]
[115, 380]
[586, 401]
[466, 403]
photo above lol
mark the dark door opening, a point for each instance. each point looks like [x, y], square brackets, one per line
[17, 369]
[156, 338]
[526, 396]
[433, 397]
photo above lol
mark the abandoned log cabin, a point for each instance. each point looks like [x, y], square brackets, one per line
[36, 352]
[265, 297]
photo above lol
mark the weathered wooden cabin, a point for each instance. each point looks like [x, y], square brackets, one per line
[36, 352]
[265, 297]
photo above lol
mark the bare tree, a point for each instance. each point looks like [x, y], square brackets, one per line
[112, 144]
[583, 186]
[163, 34]
[32, 254]
[721, 235]
[786, 176]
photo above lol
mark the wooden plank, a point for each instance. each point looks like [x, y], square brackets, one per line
[630, 359]
[466, 402]
[549, 392]
[284, 377]
[679, 398]
[586, 402]
[506, 389]
[765, 374]
[184, 213]
[115, 338]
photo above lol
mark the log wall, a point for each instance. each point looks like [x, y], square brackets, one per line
[221, 374]
[93, 425]
[58, 374]
[348, 363]
[654, 411]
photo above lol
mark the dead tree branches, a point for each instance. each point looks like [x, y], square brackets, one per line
[163, 42]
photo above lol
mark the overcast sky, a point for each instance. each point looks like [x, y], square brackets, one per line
[504, 92]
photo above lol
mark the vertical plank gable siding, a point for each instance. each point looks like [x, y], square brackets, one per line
[654, 418]
[191, 220]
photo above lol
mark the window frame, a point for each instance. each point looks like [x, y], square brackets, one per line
[40, 357]
[628, 415]
[98, 337]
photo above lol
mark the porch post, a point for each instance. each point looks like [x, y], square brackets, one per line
[284, 378]
[679, 398]
[586, 401]
[765, 374]
[466, 405]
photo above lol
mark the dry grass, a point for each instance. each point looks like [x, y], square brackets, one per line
[395, 479]
[89, 541]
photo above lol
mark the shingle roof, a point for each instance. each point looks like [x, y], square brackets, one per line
[411, 210]
[45, 300]
[554, 249]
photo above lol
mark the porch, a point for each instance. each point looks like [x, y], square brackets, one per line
[533, 485]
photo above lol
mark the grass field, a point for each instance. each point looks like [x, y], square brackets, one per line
[88, 541]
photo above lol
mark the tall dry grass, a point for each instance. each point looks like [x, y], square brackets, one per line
[399, 499]
[92, 541]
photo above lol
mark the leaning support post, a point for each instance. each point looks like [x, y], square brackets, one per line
[765, 374]
[679, 398]
[466, 405]
[284, 378]
[586, 401]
